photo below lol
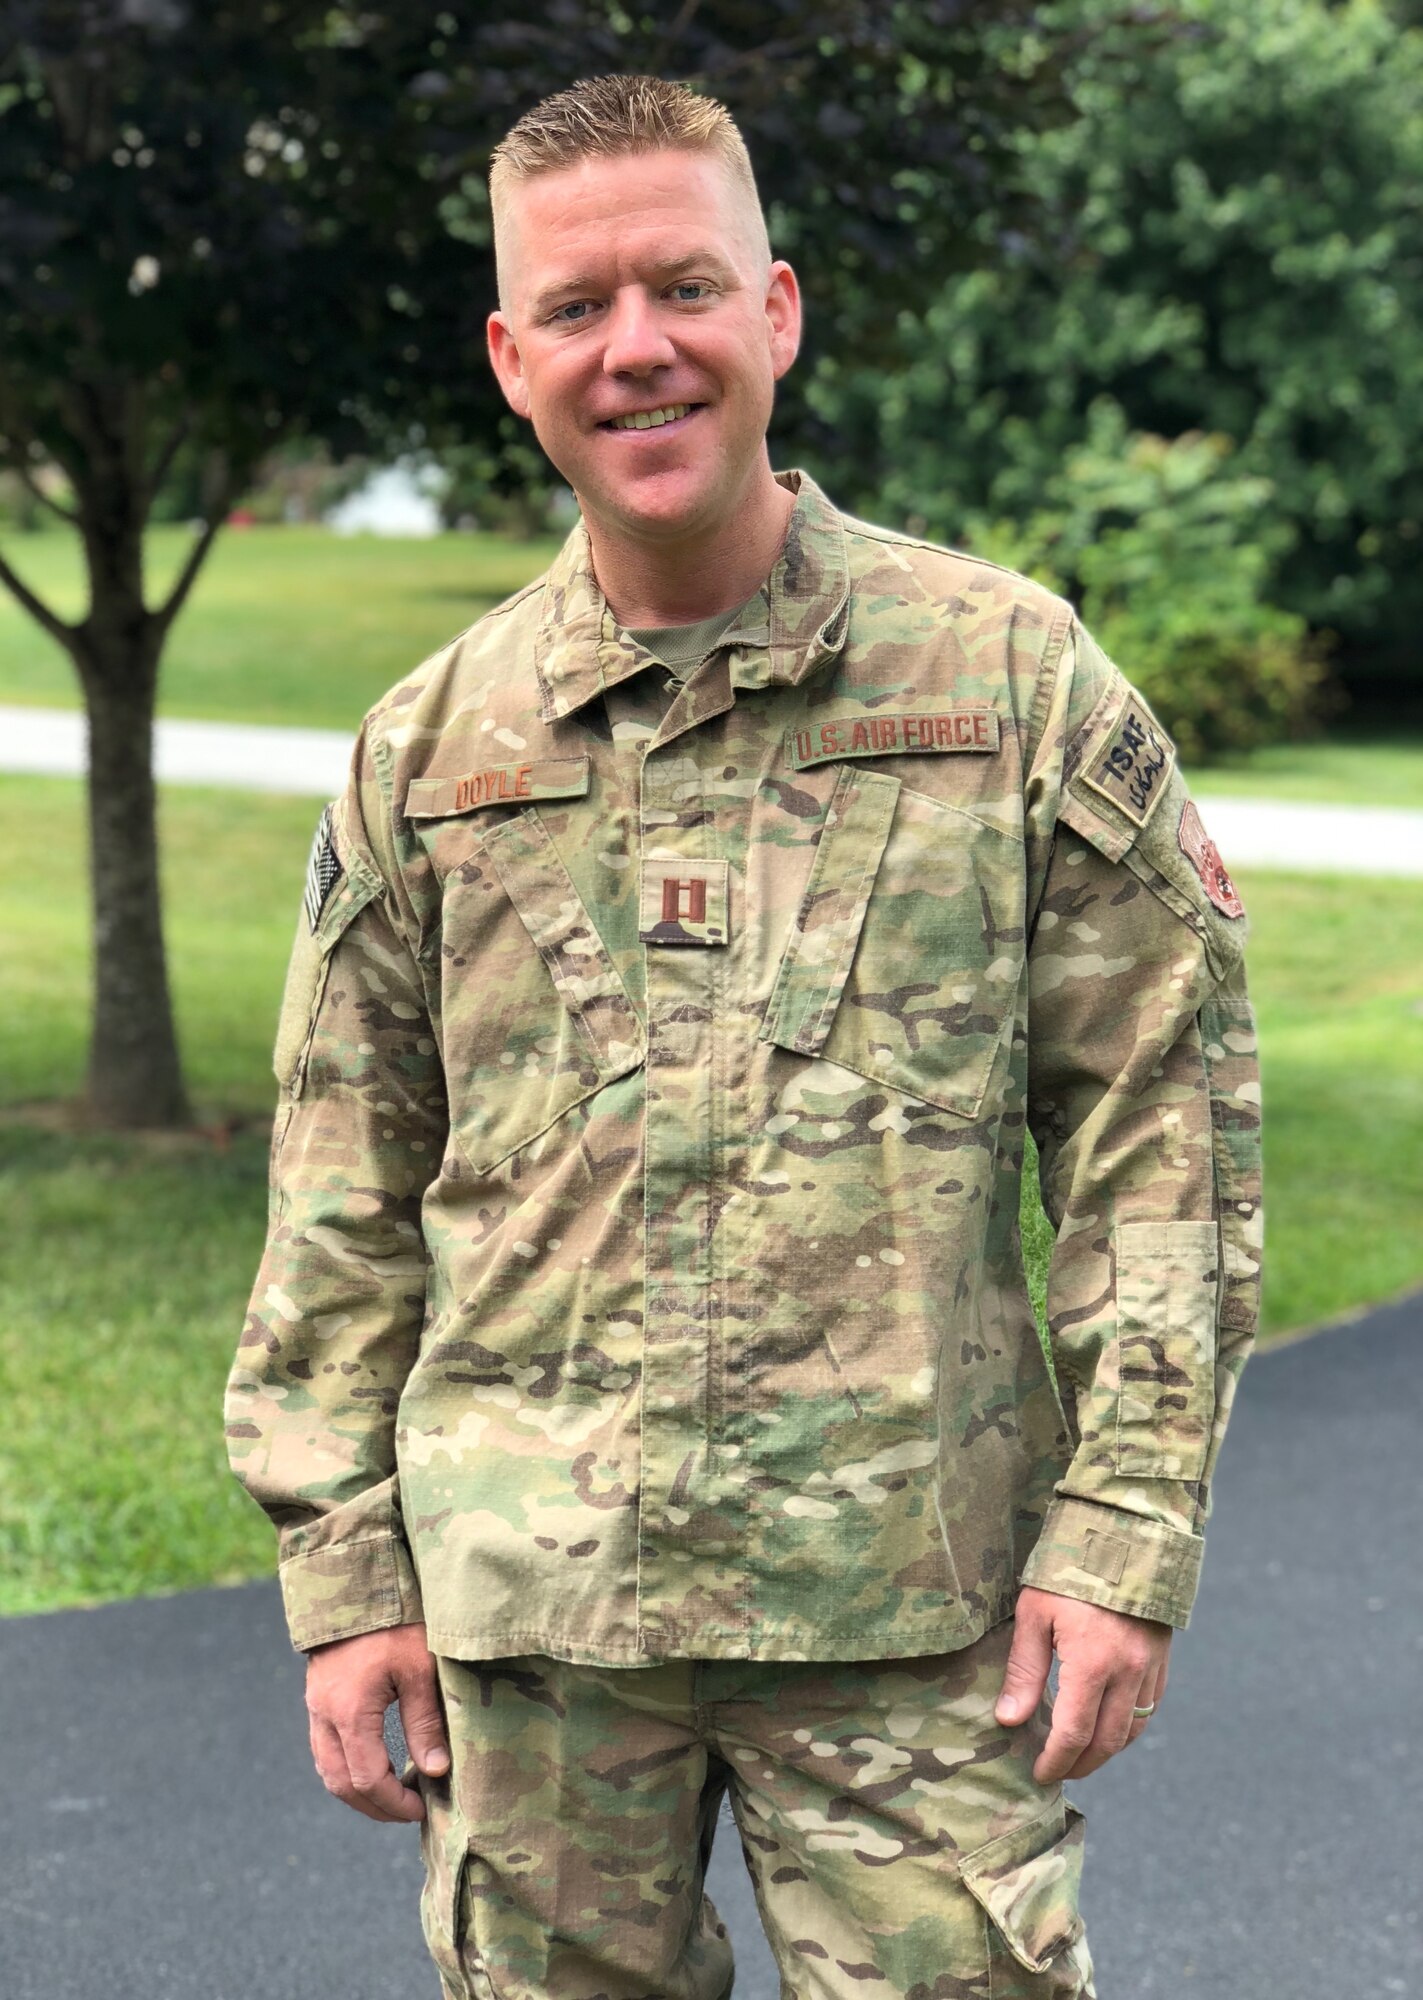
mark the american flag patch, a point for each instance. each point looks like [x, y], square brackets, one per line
[321, 870]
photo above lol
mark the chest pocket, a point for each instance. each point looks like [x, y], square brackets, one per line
[907, 947]
[531, 1011]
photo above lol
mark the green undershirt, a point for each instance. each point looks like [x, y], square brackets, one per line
[680, 648]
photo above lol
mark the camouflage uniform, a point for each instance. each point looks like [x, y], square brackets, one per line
[896, 1838]
[643, 1281]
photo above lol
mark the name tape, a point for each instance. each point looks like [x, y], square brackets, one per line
[497, 785]
[962, 729]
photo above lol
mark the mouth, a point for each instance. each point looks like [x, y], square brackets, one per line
[669, 417]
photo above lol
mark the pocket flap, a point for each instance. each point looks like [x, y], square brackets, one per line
[1027, 1880]
[541, 890]
[827, 927]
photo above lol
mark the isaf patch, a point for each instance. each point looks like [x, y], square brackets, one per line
[322, 870]
[1204, 856]
[1130, 761]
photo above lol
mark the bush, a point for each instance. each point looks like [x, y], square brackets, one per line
[1158, 543]
[1233, 242]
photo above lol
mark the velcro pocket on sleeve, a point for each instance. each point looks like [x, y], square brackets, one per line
[1168, 1287]
[344, 891]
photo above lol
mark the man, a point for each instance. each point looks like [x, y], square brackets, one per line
[641, 1372]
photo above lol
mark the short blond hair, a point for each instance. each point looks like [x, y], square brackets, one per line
[608, 117]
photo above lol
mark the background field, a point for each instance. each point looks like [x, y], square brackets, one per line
[125, 1264]
[297, 625]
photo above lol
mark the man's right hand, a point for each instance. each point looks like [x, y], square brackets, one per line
[349, 1685]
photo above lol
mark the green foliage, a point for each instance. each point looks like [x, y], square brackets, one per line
[1230, 242]
[1157, 542]
[307, 249]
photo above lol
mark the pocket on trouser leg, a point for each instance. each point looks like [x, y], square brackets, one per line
[1026, 1882]
[445, 1900]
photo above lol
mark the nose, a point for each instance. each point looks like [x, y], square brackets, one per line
[637, 342]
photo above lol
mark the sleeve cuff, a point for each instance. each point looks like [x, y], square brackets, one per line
[1123, 1562]
[347, 1588]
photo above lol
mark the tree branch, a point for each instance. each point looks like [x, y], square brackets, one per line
[163, 464]
[32, 486]
[196, 556]
[673, 34]
[38, 610]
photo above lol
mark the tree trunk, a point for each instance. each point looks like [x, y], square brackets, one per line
[135, 1077]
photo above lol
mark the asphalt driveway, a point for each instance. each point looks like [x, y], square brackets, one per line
[163, 1836]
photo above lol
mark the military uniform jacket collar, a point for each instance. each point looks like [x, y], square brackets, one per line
[788, 632]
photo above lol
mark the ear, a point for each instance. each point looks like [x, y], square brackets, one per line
[783, 317]
[507, 364]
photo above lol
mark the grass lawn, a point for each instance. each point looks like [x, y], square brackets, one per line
[1349, 768]
[289, 625]
[298, 625]
[125, 1265]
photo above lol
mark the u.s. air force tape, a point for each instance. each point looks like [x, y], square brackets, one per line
[322, 869]
[893, 735]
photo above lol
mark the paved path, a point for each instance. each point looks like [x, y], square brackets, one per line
[163, 1837]
[49, 743]
[1261, 833]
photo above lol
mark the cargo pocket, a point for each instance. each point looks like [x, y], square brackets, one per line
[444, 1899]
[1168, 1289]
[905, 954]
[1027, 1882]
[343, 894]
[533, 1015]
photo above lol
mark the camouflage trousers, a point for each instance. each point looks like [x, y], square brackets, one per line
[897, 1841]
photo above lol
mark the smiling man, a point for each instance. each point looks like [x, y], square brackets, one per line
[641, 1373]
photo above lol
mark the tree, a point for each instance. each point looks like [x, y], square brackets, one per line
[225, 225]
[1232, 244]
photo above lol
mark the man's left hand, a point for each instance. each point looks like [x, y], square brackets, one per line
[1110, 1664]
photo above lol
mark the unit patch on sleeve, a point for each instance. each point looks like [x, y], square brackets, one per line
[1204, 856]
[893, 735]
[497, 785]
[322, 870]
[1130, 760]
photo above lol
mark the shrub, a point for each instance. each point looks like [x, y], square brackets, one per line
[1158, 543]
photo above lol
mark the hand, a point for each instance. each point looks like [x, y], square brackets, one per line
[1111, 1663]
[349, 1685]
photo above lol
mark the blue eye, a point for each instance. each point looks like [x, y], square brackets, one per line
[573, 312]
[690, 291]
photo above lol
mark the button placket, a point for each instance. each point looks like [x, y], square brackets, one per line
[682, 1582]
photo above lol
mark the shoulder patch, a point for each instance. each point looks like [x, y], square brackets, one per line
[323, 869]
[1204, 856]
[1130, 759]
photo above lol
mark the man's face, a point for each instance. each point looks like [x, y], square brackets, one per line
[633, 286]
